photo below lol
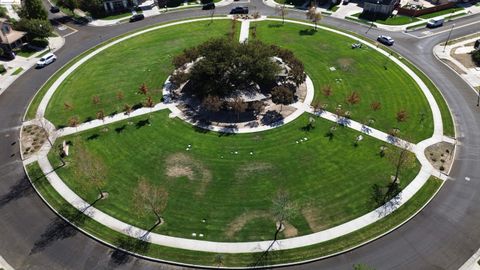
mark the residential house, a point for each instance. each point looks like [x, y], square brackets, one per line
[114, 6]
[10, 38]
[379, 8]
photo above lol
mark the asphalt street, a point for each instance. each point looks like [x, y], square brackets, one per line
[442, 236]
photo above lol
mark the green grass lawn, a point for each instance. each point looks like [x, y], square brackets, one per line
[395, 20]
[360, 70]
[25, 51]
[310, 252]
[124, 67]
[330, 180]
[441, 12]
[17, 71]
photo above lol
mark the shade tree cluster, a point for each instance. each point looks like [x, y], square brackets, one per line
[219, 71]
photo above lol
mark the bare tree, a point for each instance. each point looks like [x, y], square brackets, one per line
[143, 89]
[149, 198]
[376, 105]
[91, 168]
[282, 11]
[314, 16]
[327, 90]
[119, 95]
[95, 100]
[212, 103]
[101, 115]
[282, 210]
[73, 121]
[128, 109]
[401, 116]
[353, 98]
[238, 106]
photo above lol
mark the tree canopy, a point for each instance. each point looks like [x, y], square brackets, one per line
[33, 9]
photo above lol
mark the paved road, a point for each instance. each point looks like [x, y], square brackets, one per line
[442, 236]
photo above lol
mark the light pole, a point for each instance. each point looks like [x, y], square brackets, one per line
[448, 38]
[478, 96]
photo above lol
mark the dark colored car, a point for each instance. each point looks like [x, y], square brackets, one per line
[137, 17]
[8, 55]
[239, 10]
[207, 6]
[54, 9]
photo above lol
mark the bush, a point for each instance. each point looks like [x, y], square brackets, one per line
[2, 69]
[476, 57]
[39, 42]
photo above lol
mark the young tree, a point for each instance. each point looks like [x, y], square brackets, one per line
[282, 95]
[128, 109]
[67, 106]
[297, 73]
[257, 107]
[402, 116]
[282, 11]
[376, 105]
[95, 100]
[353, 98]
[100, 115]
[119, 95]
[327, 90]
[149, 198]
[212, 103]
[73, 121]
[149, 102]
[238, 106]
[314, 16]
[143, 89]
[33, 9]
[92, 170]
[401, 159]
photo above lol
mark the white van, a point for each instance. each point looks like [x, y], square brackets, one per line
[47, 59]
[433, 23]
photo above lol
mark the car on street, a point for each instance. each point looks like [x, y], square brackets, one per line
[207, 6]
[8, 55]
[433, 23]
[47, 59]
[239, 10]
[137, 17]
[54, 9]
[386, 40]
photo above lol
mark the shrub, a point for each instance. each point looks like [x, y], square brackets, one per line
[476, 57]
[2, 69]
[39, 42]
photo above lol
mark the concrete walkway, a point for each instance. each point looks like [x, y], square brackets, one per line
[257, 246]
[470, 75]
[4, 265]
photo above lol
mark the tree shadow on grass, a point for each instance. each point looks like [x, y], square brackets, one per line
[93, 137]
[59, 229]
[119, 256]
[142, 123]
[307, 32]
[275, 25]
[120, 129]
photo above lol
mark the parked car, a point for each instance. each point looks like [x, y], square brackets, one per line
[385, 40]
[239, 10]
[210, 5]
[47, 59]
[433, 23]
[8, 55]
[54, 9]
[137, 17]
[476, 46]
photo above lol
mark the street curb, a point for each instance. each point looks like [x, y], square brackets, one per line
[295, 263]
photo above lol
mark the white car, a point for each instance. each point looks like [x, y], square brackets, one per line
[47, 59]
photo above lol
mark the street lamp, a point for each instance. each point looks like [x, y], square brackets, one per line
[448, 38]
[478, 96]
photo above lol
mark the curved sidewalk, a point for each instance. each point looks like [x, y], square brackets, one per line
[256, 246]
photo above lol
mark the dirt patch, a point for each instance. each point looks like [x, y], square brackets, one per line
[183, 165]
[345, 64]
[238, 223]
[289, 230]
[440, 155]
[311, 216]
[465, 59]
[250, 169]
[33, 137]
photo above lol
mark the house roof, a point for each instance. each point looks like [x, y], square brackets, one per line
[12, 36]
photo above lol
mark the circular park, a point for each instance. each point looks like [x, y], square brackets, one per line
[236, 142]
